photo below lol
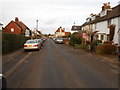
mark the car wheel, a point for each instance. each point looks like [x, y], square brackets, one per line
[38, 49]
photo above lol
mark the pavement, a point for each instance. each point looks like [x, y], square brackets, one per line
[10, 56]
[59, 66]
[107, 57]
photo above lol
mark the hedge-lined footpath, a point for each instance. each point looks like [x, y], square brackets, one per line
[12, 42]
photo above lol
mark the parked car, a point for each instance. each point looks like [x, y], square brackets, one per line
[53, 39]
[32, 44]
[59, 40]
[40, 41]
[44, 39]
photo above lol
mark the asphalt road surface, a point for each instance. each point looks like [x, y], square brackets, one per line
[59, 66]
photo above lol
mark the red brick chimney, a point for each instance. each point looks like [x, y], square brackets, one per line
[16, 19]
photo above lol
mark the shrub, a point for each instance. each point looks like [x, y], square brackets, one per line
[12, 42]
[106, 49]
[94, 44]
[75, 39]
[84, 46]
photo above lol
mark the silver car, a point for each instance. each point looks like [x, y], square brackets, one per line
[59, 40]
[40, 42]
[32, 44]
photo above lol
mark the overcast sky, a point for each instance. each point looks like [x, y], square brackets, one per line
[51, 13]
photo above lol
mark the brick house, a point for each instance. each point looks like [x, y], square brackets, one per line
[67, 34]
[61, 33]
[17, 27]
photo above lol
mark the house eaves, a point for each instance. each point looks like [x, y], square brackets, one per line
[113, 14]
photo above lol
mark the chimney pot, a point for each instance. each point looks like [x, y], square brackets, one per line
[16, 19]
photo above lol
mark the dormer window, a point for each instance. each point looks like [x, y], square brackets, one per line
[88, 19]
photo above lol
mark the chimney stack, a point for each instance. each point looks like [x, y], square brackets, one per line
[16, 19]
[106, 6]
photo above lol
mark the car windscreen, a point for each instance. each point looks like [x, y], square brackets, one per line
[60, 38]
[32, 41]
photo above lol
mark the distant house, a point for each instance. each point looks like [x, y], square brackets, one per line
[17, 27]
[67, 34]
[60, 32]
[1, 26]
[75, 29]
[106, 23]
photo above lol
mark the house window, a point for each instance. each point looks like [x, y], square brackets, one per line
[108, 37]
[12, 29]
[75, 28]
[27, 33]
[109, 23]
[102, 37]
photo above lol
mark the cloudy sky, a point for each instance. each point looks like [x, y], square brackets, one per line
[50, 13]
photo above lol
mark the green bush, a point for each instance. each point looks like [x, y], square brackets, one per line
[94, 44]
[12, 42]
[84, 46]
[75, 39]
[106, 49]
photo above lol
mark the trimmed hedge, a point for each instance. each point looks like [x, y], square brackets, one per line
[106, 49]
[12, 42]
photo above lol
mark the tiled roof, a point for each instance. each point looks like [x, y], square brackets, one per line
[76, 27]
[14, 23]
[22, 26]
[114, 13]
[59, 30]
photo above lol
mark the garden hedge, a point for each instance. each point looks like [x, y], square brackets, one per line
[12, 42]
[75, 38]
[106, 49]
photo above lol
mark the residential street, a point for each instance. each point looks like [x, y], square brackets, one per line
[59, 66]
